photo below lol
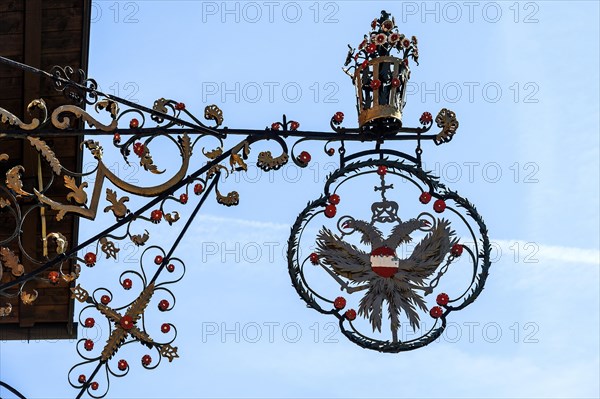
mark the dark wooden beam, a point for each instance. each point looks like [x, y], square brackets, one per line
[32, 55]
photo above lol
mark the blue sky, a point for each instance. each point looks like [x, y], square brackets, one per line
[523, 80]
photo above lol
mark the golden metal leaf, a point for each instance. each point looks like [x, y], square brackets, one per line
[147, 163]
[213, 171]
[94, 147]
[186, 146]
[141, 335]
[103, 172]
[28, 298]
[4, 202]
[78, 194]
[213, 154]
[47, 153]
[3, 157]
[172, 218]
[110, 313]
[139, 305]
[115, 340]
[109, 248]
[235, 159]
[13, 180]
[266, 161]
[118, 335]
[160, 105]
[61, 121]
[109, 105]
[212, 112]
[61, 242]
[140, 240]
[10, 260]
[232, 199]
[7, 117]
[118, 205]
[6, 310]
[446, 120]
[169, 352]
[79, 293]
[70, 277]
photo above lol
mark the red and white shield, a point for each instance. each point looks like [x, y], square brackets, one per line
[384, 261]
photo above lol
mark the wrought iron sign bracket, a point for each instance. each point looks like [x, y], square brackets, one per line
[368, 257]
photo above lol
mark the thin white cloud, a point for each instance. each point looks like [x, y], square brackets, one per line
[521, 250]
[530, 250]
[222, 222]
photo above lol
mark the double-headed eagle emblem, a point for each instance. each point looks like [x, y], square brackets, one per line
[398, 283]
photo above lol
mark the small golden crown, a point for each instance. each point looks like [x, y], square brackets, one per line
[380, 78]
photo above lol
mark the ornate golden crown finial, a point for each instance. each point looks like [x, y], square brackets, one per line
[380, 78]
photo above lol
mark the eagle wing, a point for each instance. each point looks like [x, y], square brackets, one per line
[400, 233]
[344, 258]
[428, 254]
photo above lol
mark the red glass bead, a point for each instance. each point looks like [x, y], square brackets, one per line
[330, 151]
[294, 125]
[457, 250]
[183, 198]
[82, 379]
[439, 206]
[371, 48]
[122, 365]
[364, 64]
[88, 344]
[105, 299]
[134, 123]
[146, 360]
[165, 328]
[425, 118]
[127, 284]
[381, 170]
[126, 322]
[314, 258]
[138, 149]
[304, 157]
[53, 277]
[156, 215]
[180, 106]
[89, 322]
[436, 312]
[338, 117]
[339, 303]
[94, 385]
[170, 268]
[350, 314]
[163, 305]
[395, 82]
[117, 138]
[425, 197]
[375, 84]
[334, 199]
[330, 211]
[158, 259]
[90, 259]
[442, 299]
[275, 126]
[198, 189]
